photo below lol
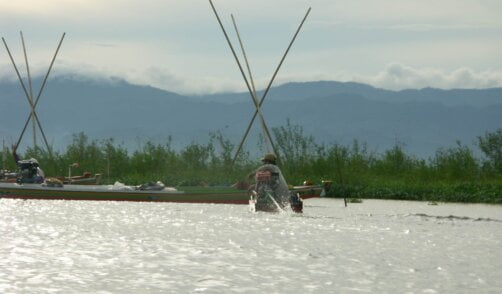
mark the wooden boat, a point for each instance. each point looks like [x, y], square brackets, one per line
[85, 179]
[134, 193]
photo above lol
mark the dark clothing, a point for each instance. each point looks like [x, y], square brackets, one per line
[29, 170]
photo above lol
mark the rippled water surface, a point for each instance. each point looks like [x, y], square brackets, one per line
[127, 247]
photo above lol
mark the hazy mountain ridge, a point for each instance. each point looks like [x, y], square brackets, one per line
[305, 90]
[423, 120]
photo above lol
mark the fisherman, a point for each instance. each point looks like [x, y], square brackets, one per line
[30, 171]
[271, 187]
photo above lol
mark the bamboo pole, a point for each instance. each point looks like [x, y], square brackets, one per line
[41, 90]
[33, 104]
[270, 84]
[266, 133]
[233, 53]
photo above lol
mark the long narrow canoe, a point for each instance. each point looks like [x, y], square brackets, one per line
[108, 192]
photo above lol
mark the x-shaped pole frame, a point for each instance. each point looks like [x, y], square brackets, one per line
[252, 90]
[29, 96]
[253, 93]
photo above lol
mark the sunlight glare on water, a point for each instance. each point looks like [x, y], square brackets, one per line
[371, 247]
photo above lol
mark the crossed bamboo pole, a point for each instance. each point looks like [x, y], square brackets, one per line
[258, 103]
[268, 138]
[29, 94]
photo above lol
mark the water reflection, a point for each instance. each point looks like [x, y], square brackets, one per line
[375, 246]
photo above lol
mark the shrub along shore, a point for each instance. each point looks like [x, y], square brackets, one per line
[451, 175]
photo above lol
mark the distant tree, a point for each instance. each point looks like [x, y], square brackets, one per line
[225, 149]
[395, 161]
[197, 156]
[456, 163]
[491, 145]
[7, 160]
[294, 147]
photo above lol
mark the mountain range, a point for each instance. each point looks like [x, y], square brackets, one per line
[422, 120]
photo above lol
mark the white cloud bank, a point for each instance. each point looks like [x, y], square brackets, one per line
[397, 77]
[394, 76]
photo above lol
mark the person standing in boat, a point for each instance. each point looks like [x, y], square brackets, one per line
[30, 171]
[271, 188]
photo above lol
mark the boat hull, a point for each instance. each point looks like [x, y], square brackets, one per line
[105, 193]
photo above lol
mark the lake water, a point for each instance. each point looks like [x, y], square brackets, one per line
[127, 247]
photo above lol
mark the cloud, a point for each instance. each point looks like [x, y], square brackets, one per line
[397, 76]
[394, 76]
[177, 45]
[158, 77]
[115, 15]
[163, 78]
[108, 45]
[7, 73]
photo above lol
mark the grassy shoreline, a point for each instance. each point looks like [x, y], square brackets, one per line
[488, 193]
[452, 175]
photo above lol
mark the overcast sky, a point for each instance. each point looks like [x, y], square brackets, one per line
[178, 45]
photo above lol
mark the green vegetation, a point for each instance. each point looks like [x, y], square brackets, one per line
[452, 175]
